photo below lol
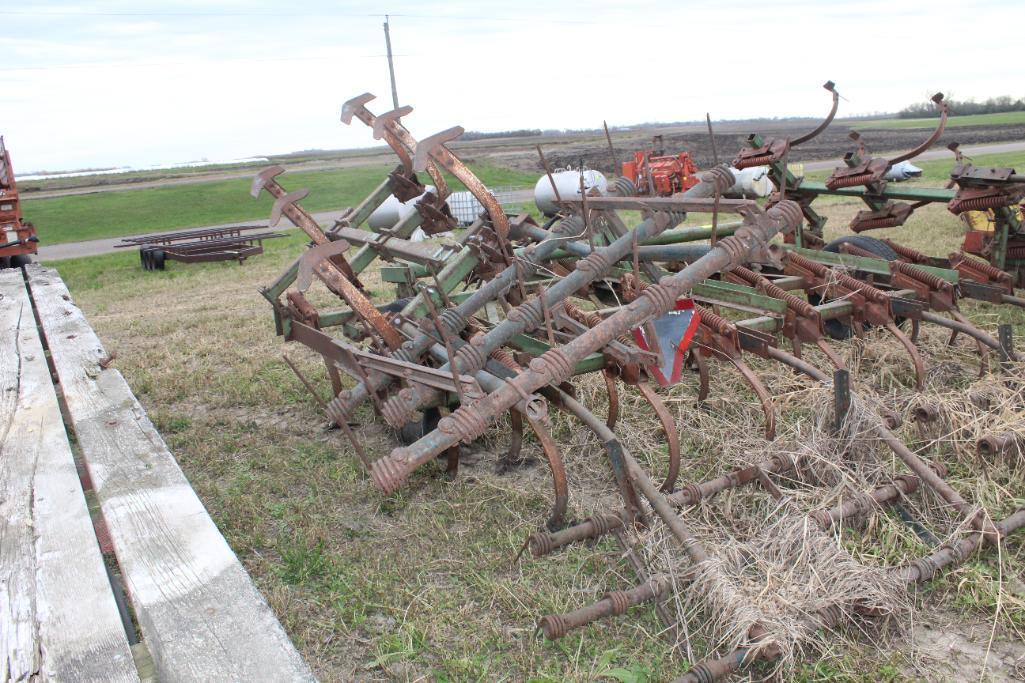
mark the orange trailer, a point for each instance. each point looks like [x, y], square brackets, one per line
[18, 240]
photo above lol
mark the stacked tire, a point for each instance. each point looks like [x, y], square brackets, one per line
[152, 259]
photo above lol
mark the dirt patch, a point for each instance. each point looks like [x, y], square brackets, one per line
[947, 646]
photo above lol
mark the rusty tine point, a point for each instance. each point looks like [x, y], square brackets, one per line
[283, 202]
[428, 144]
[262, 178]
[381, 121]
[350, 108]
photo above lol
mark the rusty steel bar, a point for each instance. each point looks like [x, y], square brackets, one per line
[925, 568]
[691, 494]
[556, 626]
[863, 504]
[546, 542]
[470, 421]
[966, 328]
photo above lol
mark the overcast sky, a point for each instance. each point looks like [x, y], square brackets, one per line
[100, 83]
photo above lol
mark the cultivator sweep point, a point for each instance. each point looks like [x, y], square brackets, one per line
[504, 319]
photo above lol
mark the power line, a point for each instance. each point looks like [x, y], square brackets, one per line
[458, 17]
[127, 64]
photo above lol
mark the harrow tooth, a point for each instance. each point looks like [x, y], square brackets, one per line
[425, 147]
[351, 107]
[383, 121]
[261, 179]
[284, 202]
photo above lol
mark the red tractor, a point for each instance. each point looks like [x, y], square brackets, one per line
[17, 238]
[654, 172]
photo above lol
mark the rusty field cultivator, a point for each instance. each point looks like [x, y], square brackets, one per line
[500, 321]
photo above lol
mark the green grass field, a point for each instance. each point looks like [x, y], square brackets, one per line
[1002, 119]
[135, 212]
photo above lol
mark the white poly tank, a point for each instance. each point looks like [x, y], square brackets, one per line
[391, 211]
[568, 184]
[750, 182]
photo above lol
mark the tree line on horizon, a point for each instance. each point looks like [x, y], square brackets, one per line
[993, 105]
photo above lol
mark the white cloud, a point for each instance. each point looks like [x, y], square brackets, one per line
[112, 82]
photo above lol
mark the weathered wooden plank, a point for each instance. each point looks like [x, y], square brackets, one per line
[200, 614]
[58, 619]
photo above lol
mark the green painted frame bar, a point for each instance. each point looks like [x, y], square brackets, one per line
[361, 213]
[727, 293]
[869, 265]
[591, 363]
[366, 254]
[828, 311]
[914, 194]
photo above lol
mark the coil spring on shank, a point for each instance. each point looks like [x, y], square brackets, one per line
[850, 181]
[960, 206]
[874, 224]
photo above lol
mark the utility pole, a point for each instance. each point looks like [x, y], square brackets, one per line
[391, 66]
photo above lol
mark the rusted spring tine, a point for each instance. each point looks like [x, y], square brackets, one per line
[669, 428]
[983, 349]
[844, 280]
[764, 397]
[933, 137]
[831, 87]
[863, 504]
[992, 445]
[616, 603]
[512, 456]
[702, 363]
[452, 462]
[916, 357]
[558, 468]
[691, 494]
[925, 568]
[831, 354]
[965, 327]
[613, 392]
[546, 542]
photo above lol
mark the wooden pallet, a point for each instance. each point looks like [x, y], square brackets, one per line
[196, 609]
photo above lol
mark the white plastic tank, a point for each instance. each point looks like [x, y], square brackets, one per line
[751, 182]
[904, 170]
[568, 183]
[391, 211]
